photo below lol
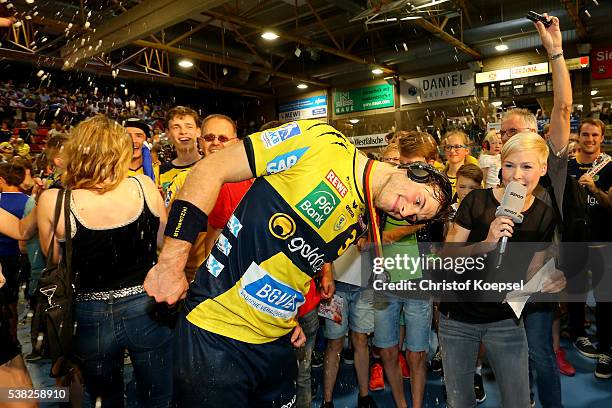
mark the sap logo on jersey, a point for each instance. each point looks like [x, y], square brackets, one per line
[285, 161]
[271, 138]
[268, 294]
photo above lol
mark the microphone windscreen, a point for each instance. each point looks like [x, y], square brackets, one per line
[513, 201]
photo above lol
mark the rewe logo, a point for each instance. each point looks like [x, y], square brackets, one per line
[337, 183]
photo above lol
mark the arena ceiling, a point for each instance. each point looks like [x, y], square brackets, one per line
[320, 43]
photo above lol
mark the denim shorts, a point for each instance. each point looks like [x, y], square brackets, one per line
[417, 318]
[357, 313]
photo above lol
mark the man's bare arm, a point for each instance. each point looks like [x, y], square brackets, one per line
[562, 86]
[166, 281]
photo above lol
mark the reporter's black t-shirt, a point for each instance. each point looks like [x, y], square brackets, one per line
[476, 213]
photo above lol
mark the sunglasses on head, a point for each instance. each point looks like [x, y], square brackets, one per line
[220, 138]
[424, 173]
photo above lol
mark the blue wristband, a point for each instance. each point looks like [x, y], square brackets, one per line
[185, 221]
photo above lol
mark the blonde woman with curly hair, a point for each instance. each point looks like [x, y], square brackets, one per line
[116, 225]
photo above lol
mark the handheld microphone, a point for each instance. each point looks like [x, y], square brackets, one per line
[511, 205]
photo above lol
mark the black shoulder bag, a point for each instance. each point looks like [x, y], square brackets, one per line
[56, 296]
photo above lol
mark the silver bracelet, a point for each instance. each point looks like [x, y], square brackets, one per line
[555, 56]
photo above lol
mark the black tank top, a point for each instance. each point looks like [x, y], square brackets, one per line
[120, 257]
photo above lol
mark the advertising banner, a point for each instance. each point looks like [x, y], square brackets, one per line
[307, 108]
[363, 99]
[434, 87]
[369, 140]
[601, 62]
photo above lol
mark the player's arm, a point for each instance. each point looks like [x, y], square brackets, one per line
[562, 86]
[166, 281]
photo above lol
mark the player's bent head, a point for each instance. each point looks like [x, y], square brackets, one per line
[442, 190]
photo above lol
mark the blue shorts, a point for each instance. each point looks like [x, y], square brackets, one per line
[357, 313]
[211, 370]
[417, 317]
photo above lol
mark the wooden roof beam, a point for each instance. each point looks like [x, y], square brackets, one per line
[227, 61]
[443, 35]
[572, 11]
[138, 22]
[301, 40]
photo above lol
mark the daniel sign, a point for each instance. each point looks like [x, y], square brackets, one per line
[441, 86]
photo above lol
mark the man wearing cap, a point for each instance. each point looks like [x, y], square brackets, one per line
[141, 163]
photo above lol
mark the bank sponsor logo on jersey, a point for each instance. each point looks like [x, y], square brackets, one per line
[271, 138]
[319, 204]
[223, 245]
[340, 222]
[285, 161]
[269, 295]
[311, 254]
[234, 225]
[214, 267]
[336, 183]
[281, 226]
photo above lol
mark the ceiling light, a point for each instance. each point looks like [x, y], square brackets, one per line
[353, 121]
[501, 47]
[185, 63]
[377, 71]
[433, 3]
[410, 18]
[29, 1]
[302, 86]
[497, 104]
[269, 35]
[594, 92]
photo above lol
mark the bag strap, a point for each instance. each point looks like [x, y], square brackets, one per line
[68, 235]
[58, 209]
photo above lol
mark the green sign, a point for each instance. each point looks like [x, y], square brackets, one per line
[362, 99]
[319, 204]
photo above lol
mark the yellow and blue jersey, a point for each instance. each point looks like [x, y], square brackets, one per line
[303, 210]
